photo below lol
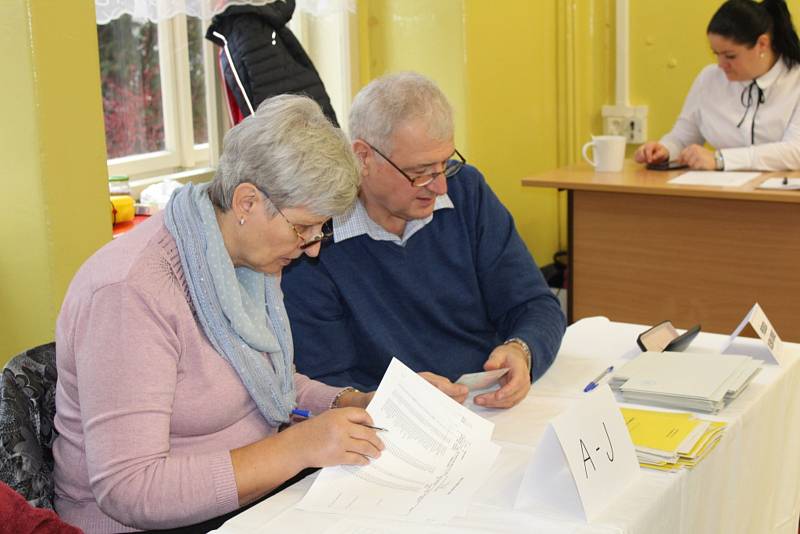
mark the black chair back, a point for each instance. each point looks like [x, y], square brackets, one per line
[27, 432]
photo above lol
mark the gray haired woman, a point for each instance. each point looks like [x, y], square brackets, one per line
[174, 352]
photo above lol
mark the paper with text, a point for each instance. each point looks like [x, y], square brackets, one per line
[787, 184]
[438, 453]
[585, 460]
[714, 178]
[757, 320]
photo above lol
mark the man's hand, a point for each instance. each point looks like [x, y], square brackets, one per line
[698, 157]
[457, 392]
[515, 383]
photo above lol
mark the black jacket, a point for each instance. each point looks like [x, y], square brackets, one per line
[268, 57]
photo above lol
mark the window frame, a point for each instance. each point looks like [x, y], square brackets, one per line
[180, 154]
[330, 41]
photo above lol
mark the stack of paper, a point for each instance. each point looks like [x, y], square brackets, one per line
[684, 380]
[670, 441]
[438, 454]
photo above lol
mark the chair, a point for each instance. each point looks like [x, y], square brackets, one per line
[27, 432]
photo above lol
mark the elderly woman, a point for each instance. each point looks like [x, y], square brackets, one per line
[174, 352]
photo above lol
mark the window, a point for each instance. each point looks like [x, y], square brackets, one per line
[158, 93]
[332, 46]
[159, 88]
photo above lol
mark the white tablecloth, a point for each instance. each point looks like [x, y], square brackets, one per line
[750, 483]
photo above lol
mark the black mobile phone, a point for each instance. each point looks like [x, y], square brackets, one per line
[666, 166]
[664, 337]
[682, 341]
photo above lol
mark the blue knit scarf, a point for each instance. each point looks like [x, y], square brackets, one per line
[241, 310]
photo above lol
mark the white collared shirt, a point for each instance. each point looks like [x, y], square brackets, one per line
[714, 107]
[356, 222]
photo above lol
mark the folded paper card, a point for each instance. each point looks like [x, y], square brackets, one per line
[772, 349]
[584, 461]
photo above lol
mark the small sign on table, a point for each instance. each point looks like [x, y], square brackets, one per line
[584, 461]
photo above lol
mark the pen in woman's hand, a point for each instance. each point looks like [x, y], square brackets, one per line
[306, 414]
[375, 427]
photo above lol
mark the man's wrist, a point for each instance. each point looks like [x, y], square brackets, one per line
[719, 161]
[522, 345]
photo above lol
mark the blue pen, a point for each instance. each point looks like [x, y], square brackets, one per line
[596, 382]
[305, 414]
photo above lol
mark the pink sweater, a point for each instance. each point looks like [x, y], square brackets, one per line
[146, 409]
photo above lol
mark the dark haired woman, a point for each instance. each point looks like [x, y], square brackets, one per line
[747, 106]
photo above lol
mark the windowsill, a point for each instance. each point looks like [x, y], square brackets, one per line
[199, 175]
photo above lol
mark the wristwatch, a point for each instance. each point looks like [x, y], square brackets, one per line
[718, 160]
[523, 346]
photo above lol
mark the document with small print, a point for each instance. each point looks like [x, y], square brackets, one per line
[438, 453]
[714, 178]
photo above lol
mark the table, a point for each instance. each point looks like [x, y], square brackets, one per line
[121, 228]
[643, 250]
[749, 483]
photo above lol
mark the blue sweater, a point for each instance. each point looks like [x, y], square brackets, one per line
[459, 287]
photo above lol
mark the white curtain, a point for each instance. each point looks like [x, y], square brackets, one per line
[158, 10]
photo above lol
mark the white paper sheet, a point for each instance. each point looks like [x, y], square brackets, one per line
[714, 178]
[791, 184]
[482, 380]
[438, 453]
[585, 460]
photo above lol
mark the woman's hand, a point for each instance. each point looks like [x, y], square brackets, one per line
[457, 392]
[651, 152]
[698, 157]
[335, 437]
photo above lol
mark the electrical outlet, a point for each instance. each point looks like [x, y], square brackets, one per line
[636, 128]
[627, 121]
[614, 126]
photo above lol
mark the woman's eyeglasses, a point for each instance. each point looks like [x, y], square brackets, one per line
[324, 235]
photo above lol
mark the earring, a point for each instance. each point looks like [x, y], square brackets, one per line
[241, 221]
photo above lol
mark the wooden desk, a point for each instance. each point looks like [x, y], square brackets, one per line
[643, 251]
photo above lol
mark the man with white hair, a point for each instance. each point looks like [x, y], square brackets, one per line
[427, 267]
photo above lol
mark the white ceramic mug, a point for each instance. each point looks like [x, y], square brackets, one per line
[608, 152]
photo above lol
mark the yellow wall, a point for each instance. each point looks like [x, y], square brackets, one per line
[418, 35]
[53, 152]
[662, 65]
[526, 80]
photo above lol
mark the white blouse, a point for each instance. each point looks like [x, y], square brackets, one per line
[716, 111]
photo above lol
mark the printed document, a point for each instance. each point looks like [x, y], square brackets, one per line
[714, 178]
[438, 453]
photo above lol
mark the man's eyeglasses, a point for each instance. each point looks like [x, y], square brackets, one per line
[324, 235]
[451, 166]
